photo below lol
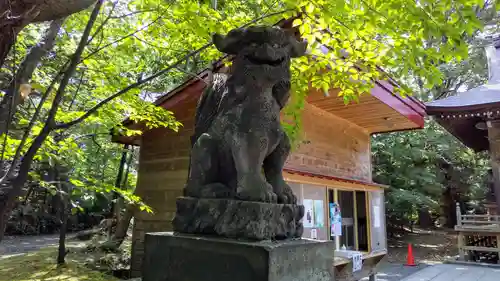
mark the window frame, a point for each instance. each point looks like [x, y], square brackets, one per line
[355, 212]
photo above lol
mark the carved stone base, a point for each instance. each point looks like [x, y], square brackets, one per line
[181, 257]
[238, 219]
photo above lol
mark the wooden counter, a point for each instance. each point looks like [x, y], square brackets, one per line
[343, 267]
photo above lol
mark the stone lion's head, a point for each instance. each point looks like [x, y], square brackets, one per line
[261, 50]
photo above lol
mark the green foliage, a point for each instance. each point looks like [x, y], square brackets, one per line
[363, 35]
[413, 165]
[134, 39]
[420, 165]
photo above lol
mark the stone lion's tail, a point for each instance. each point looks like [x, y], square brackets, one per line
[209, 105]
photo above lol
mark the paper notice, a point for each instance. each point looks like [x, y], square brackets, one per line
[376, 216]
[357, 262]
[314, 234]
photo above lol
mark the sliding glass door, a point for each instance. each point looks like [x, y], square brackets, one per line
[355, 226]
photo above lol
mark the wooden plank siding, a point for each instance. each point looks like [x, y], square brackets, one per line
[163, 169]
[332, 146]
[369, 113]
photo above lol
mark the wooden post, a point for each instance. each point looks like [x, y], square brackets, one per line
[460, 237]
[498, 246]
[328, 224]
[494, 140]
[460, 246]
[368, 205]
[356, 242]
[336, 200]
[459, 215]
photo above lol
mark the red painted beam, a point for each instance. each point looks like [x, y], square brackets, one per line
[348, 180]
[409, 108]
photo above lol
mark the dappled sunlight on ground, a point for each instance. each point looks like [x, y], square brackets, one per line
[395, 272]
[22, 244]
[428, 246]
[41, 265]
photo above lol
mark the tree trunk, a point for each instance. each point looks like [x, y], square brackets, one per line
[4, 217]
[15, 187]
[61, 253]
[13, 97]
[115, 241]
[115, 208]
[15, 15]
[18, 182]
[449, 200]
[8, 35]
[424, 218]
[64, 195]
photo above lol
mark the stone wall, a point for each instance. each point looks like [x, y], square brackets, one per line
[333, 147]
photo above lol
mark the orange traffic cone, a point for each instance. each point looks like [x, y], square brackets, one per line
[410, 261]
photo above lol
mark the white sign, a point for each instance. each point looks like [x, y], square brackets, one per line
[314, 233]
[357, 262]
[376, 216]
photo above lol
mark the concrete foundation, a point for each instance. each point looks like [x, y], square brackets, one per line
[179, 257]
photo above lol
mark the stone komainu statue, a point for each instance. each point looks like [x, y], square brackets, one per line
[237, 124]
[235, 186]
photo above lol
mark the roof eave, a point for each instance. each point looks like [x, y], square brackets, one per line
[453, 130]
[437, 110]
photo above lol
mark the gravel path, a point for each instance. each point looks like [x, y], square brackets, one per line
[12, 245]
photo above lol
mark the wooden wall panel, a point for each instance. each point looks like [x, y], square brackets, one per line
[332, 146]
[163, 169]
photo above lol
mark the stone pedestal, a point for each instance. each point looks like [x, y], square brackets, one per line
[238, 219]
[181, 257]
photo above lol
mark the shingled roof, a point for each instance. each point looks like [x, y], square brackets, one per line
[461, 113]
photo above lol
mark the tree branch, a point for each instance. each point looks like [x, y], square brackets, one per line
[264, 17]
[148, 43]
[101, 27]
[55, 9]
[25, 137]
[194, 75]
[76, 92]
[25, 72]
[128, 88]
[48, 127]
[121, 39]
[72, 66]
[151, 77]
[133, 13]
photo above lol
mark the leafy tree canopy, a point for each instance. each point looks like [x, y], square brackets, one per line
[111, 62]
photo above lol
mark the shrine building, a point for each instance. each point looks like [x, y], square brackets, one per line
[331, 165]
[473, 117]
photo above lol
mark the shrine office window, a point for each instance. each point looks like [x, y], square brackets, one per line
[354, 218]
